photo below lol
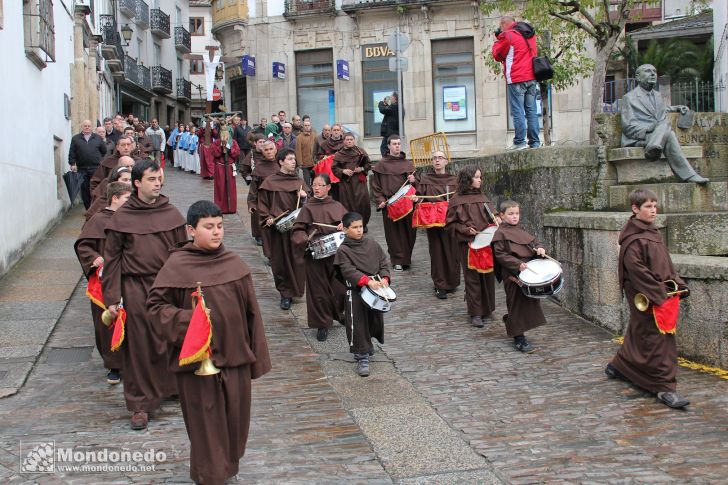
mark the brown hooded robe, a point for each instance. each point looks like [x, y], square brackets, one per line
[263, 168]
[353, 191]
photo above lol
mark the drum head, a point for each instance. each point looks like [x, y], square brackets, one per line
[484, 237]
[544, 270]
[400, 193]
[387, 293]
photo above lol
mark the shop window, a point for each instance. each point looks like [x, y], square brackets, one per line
[453, 80]
[379, 82]
[315, 86]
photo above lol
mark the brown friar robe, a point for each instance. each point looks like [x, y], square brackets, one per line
[88, 247]
[465, 211]
[353, 190]
[216, 409]
[97, 205]
[279, 193]
[100, 189]
[443, 247]
[647, 357]
[262, 169]
[328, 146]
[511, 247]
[389, 175]
[105, 167]
[138, 239]
[353, 260]
[324, 291]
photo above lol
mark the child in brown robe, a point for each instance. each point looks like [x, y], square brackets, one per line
[216, 408]
[512, 248]
[89, 250]
[648, 357]
[360, 261]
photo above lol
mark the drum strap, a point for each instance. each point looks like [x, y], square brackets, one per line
[351, 311]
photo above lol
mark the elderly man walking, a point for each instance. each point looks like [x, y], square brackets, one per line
[86, 151]
[156, 135]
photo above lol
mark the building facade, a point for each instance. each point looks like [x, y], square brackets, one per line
[720, 68]
[201, 32]
[330, 59]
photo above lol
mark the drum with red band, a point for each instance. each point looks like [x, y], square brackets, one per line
[480, 254]
[400, 205]
[430, 214]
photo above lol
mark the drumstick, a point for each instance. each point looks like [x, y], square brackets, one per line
[280, 215]
[433, 196]
[532, 270]
[379, 278]
[406, 181]
[547, 257]
[299, 197]
[325, 225]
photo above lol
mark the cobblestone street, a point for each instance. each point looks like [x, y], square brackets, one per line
[446, 403]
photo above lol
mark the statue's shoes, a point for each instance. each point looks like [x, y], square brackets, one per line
[653, 152]
[698, 179]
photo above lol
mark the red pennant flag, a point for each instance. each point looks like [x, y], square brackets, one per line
[93, 290]
[196, 345]
[324, 166]
[117, 336]
[666, 315]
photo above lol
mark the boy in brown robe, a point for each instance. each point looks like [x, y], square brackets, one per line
[280, 193]
[512, 248]
[359, 262]
[467, 215]
[442, 245]
[89, 249]
[216, 408]
[351, 165]
[324, 292]
[264, 167]
[392, 171]
[648, 357]
[138, 239]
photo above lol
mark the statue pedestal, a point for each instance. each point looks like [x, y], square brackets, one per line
[632, 167]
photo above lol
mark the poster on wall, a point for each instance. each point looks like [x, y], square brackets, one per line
[454, 103]
[378, 96]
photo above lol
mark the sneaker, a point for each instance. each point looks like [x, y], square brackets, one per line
[698, 179]
[398, 267]
[362, 367]
[441, 294]
[612, 372]
[113, 377]
[258, 241]
[321, 334]
[139, 420]
[522, 345]
[285, 303]
[476, 321]
[672, 399]
[514, 148]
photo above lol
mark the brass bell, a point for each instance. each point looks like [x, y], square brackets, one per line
[107, 318]
[207, 368]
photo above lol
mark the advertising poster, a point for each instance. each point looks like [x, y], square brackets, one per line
[454, 103]
[378, 96]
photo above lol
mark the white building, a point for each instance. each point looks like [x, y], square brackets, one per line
[720, 69]
[201, 32]
[36, 41]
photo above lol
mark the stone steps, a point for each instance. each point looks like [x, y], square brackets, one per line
[675, 197]
[698, 233]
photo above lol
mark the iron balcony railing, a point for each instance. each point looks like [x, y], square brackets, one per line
[128, 7]
[184, 89]
[161, 80]
[294, 8]
[131, 71]
[159, 23]
[142, 14]
[145, 77]
[111, 47]
[182, 40]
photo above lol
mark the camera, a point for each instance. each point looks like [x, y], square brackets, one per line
[498, 31]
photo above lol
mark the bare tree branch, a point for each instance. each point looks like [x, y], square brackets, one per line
[585, 27]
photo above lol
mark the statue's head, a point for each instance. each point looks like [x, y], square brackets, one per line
[646, 76]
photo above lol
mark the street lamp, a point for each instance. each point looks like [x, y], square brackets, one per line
[126, 32]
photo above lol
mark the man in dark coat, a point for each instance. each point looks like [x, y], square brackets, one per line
[389, 107]
[85, 152]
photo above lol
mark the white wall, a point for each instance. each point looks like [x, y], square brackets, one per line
[720, 70]
[276, 7]
[199, 42]
[33, 105]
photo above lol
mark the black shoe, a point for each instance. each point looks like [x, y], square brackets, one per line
[672, 399]
[441, 294]
[258, 241]
[321, 334]
[113, 377]
[405, 267]
[285, 303]
[476, 321]
[612, 372]
[372, 351]
[522, 345]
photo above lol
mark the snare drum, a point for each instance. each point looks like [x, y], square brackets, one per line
[400, 205]
[480, 254]
[326, 245]
[484, 237]
[286, 223]
[378, 300]
[541, 279]
[430, 214]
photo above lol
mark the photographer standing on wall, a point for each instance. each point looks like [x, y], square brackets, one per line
[389, 107]
[516, 47]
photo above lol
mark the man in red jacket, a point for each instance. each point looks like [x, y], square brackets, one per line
[516, 52]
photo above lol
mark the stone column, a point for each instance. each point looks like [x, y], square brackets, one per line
[93, 86]
[78, 81]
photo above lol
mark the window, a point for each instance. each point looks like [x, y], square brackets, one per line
[39, 32]
[315, 86]
[378, 82]
[453, 73]
[197, 66]
[197, 26]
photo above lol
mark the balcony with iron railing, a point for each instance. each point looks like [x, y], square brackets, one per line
[641, 11]
[142, 14]
[161, 80]
[182, 40]
[301, 8]
[184, 90]
[128, 8]
[160, 24]
[111, 47]
[131, 71]
[145, 77]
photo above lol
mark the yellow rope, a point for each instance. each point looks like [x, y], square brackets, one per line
[689, 364]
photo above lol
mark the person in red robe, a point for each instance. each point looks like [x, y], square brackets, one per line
[138, 239]
[215, 408]
[224, 152]
[89, 249]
